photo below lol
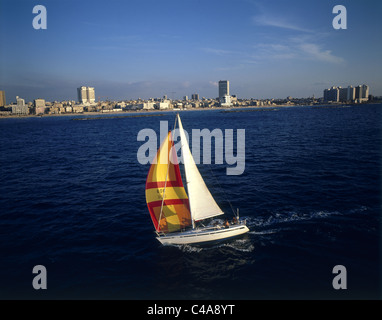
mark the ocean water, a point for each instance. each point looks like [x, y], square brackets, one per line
[72, 198]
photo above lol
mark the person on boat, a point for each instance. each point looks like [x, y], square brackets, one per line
[226, 223]
[234, 220]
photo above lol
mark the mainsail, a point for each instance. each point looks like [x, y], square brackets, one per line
[202, 204]
[173, 212]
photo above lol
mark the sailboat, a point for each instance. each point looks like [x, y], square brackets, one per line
[179, 218]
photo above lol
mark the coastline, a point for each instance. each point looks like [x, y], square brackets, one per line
[148, 112]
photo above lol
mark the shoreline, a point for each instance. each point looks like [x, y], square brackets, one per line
[147, 112]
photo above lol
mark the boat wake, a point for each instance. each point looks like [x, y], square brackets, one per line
[241, 245]
[264, 226]
[285, 218]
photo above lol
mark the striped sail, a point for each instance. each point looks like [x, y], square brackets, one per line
[171, 213]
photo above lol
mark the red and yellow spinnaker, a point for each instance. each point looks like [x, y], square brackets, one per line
[176, 209]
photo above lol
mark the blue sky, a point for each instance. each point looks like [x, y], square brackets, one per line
[149, 48]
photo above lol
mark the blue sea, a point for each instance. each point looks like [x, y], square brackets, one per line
[72, 198]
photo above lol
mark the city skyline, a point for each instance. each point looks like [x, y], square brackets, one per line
[143, 49]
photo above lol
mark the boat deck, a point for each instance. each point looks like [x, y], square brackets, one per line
[204, 234]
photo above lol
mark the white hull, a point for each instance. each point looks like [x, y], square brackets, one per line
[203, 235]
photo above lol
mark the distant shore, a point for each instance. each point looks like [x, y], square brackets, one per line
[85, 113]
[131, 112]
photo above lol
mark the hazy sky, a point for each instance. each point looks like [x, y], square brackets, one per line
[149, 48]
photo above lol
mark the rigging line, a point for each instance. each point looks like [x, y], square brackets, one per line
[183, 143]
[165, 183]
[220, 187]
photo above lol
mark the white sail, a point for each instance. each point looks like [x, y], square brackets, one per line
[202, 204]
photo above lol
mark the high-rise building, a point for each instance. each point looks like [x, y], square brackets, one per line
[90, 94]
[362, 93]
[223, 88]
[332, 94]
[358, 92]
[20, 107]
[81, 92]
[195, 96]
[20, 102]
[39, 106]
[86, 95]
[355, 94]
[351, 94]
[39, 103]
[2, 99]
[343, 94]
[224, 96]
[365, 92]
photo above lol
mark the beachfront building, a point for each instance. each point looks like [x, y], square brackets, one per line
[223, 88]
[82, 95]
[362, 93]
[148, 105]
[350, 94]
[86, 95]
[225, 101]
[163, 105]
[20, 102]
[224, 97]
[332, 94]
[91, 95]
[39, 106]
[195, 96]
[78, 109]
[20, 108]
[342, 94]
[3, 102]
[39, 103]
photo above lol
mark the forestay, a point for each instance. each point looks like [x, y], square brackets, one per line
[202, 204]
